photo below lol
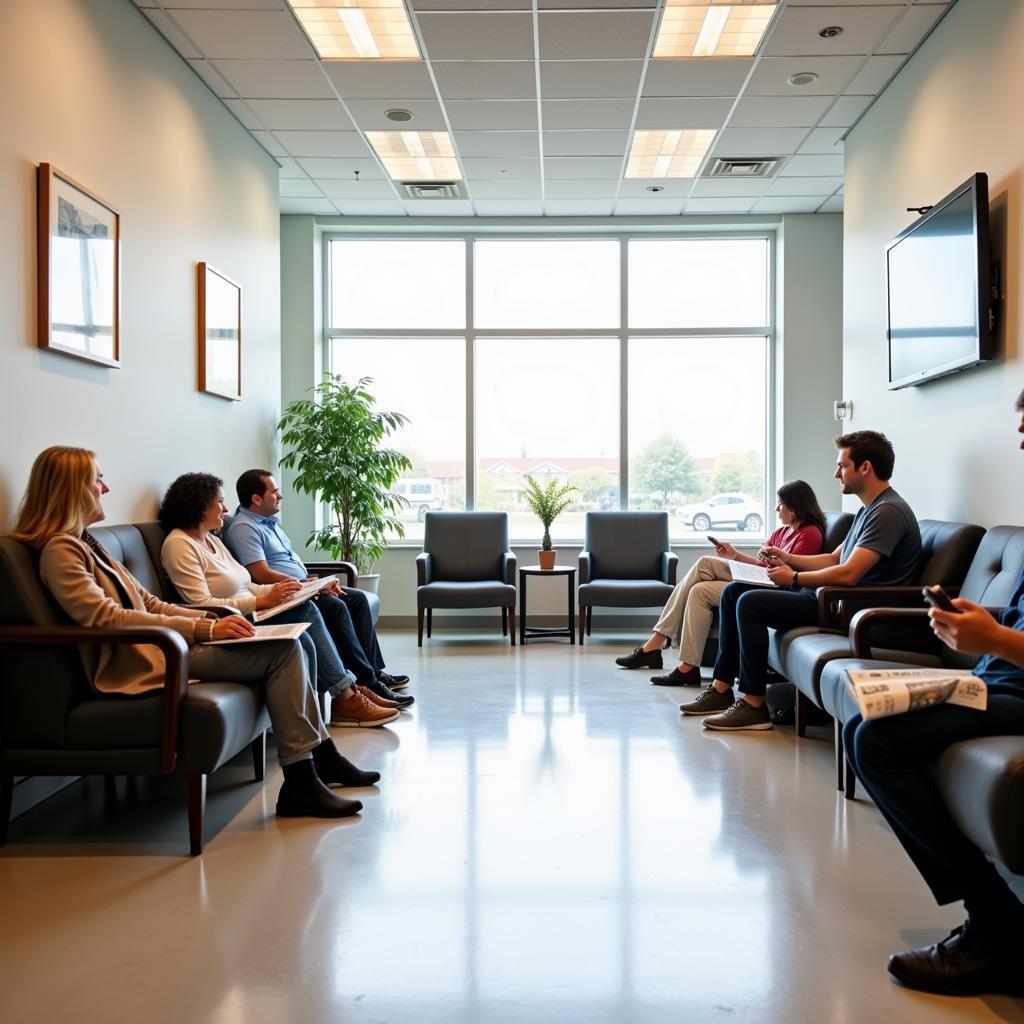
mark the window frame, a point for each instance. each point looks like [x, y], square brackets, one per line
[622, 332]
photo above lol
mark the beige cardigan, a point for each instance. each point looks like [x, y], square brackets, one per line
[88, 595]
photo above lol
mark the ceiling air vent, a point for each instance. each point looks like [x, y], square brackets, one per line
[743, 167]
[432, 189]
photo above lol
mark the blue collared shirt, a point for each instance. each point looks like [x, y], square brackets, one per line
[255, 538]
[1001, 675]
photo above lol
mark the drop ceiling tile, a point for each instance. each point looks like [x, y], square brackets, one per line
[276, 79]
[170, 31]
[915, 24]
[516, 168]
[671, 188]
[845, 111]
[590, 189]
[370, 208]
[509, 207]
[823, 140]
[471, 5]
[577, 168]
[321, 144]
[803, 186]
[874, 75]
[786, 204]
[497, 144]
[503, 189]
[321, 207]
[252, 35]
[478, 36]
[719, 77]
[832, 205]
[357, 191]
[739, 142]
[589, 79]
[369, 115]
[270, 144]
[656, 206]
[591, 5]
[208, 73]
[578, 207]
[592, 114]
[719, 205]
[662, 112]
[814, 166]
[851, 3]
[220, 5]
[341, 169]
[438, 207]
[298, 188]
[833, 73]
[289, 168]
[357, 80]
[145, 3]
[243, 113]
[486, 79]
[795, 33]
[714, 188]
[585, 143]
[491, 115]
[779, 112]
[301, 115]
[582, 35]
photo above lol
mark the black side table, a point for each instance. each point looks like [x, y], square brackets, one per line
[525, 632]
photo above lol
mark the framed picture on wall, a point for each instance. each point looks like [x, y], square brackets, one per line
[79, 270]
[220, 334]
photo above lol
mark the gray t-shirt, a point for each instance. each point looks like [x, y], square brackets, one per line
[888, 527]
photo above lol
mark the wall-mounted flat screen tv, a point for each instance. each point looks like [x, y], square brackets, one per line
[939, 278]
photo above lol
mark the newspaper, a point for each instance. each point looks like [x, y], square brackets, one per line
[747, 573]
[307, 591]
[287, 631]
[893, 691]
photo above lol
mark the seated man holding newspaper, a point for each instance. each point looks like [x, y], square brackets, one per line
[881, 549]
[204, 573]
[894, 756]
[256, 540]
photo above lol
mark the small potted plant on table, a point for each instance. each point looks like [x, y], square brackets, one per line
[547, 503]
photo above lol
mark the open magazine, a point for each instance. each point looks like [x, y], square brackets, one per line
[892, 691]
[308, 590]
[286, 631]
[747, 573]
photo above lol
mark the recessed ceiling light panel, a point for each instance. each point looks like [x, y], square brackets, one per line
[357, 29]
[419, 156]
[665, 153]
[708, 28]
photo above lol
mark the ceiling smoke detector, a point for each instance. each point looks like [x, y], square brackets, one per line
[742, 167]
[398, 114]
[831, 31]
[802, 78]
[432, 189]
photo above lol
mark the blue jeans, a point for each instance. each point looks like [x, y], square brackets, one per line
[350, 624]
[324, 663]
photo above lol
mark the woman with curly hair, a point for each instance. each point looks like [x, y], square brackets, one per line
[63, 499]
[205, 572]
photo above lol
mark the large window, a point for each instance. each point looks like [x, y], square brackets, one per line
[636, 369]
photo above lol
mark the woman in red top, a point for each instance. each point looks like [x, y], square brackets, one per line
[688, 614]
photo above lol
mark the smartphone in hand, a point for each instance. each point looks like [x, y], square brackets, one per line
[714, 540]
[938, 598]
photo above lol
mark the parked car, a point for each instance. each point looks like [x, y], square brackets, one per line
[733, 510]
[423, 495]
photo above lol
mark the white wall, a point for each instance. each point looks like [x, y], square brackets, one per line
[92, 88]
[953, 110]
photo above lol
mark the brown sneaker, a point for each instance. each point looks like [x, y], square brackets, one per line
[355, 711]
[380, 702]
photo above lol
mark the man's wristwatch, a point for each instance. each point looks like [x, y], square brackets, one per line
[796, 581]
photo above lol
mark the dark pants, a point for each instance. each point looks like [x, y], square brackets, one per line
[745, 615]
[350, 624]
[893, 757]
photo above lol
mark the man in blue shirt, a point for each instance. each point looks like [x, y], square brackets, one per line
[894, 757]
[256, 539]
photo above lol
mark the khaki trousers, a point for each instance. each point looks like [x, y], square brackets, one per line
[687, 615]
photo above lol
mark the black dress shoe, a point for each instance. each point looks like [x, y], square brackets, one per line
[334, 769]
[640, 659]
[677, 678]
[393, 682]
[965, 963]
[313, 801]
[403, 700]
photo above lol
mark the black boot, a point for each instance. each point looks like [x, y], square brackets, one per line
[335, 769]
[303, 795]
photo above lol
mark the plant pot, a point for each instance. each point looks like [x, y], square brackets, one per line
[546, 559]
[370, 583]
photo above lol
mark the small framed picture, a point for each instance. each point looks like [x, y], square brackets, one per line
[79, 270]
[220, 334]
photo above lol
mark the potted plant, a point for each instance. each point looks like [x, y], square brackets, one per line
[335, 442]
[547, 503]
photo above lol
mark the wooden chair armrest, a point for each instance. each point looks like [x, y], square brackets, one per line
[345, 569]
[172, 645]
[864, 622]
[834, 602]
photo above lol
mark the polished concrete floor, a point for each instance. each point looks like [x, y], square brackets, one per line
[550, 842]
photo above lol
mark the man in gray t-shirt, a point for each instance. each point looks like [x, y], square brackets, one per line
[882, 549]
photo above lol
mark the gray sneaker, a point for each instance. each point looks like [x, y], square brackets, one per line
[741, 716]
[707, 702]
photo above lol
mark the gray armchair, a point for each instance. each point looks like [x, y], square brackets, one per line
[466, 562]
[626, 562]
